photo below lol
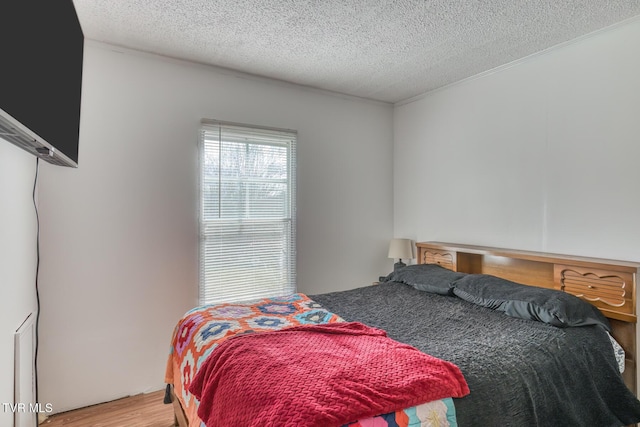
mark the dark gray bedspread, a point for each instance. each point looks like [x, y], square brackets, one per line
[520, 373]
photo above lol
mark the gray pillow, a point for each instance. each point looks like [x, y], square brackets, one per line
[550, 306]
[426, 277]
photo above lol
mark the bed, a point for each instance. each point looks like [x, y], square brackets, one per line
[518, 372]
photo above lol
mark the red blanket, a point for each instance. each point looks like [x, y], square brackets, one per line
[317, 375]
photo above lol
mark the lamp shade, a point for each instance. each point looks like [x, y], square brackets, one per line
[401, 248]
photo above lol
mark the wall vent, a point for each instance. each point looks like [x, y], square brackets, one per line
[24, 374]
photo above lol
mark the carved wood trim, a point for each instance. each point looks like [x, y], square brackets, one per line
[609, 289]
[612, 291]
[444, 259]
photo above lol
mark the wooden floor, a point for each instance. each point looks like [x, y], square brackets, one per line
[143, 410]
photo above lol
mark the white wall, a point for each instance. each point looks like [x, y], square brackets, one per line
[541, 155]
[119, 234]
[17, 258]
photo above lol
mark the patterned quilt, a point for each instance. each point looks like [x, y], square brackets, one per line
[202, 329]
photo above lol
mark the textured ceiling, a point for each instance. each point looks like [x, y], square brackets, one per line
[382, 50]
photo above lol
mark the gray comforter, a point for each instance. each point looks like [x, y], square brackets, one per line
[520, 372]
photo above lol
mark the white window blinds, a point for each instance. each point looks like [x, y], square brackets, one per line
[247, 216]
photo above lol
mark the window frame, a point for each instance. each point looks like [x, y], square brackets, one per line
[288, 234]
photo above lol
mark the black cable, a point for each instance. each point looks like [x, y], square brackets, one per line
[35, 357]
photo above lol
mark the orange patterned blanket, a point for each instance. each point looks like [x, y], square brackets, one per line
[202, 329]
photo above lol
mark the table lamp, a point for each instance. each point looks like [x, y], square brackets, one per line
[400, 248]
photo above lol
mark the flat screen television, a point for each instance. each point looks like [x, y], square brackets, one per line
[41, 51]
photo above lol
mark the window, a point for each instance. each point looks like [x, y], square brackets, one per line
[247, 215]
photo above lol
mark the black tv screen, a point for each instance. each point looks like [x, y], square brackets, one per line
[41, 70]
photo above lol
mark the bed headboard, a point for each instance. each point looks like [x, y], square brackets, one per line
[609, 285]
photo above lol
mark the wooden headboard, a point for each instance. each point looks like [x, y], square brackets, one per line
[609, 285]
